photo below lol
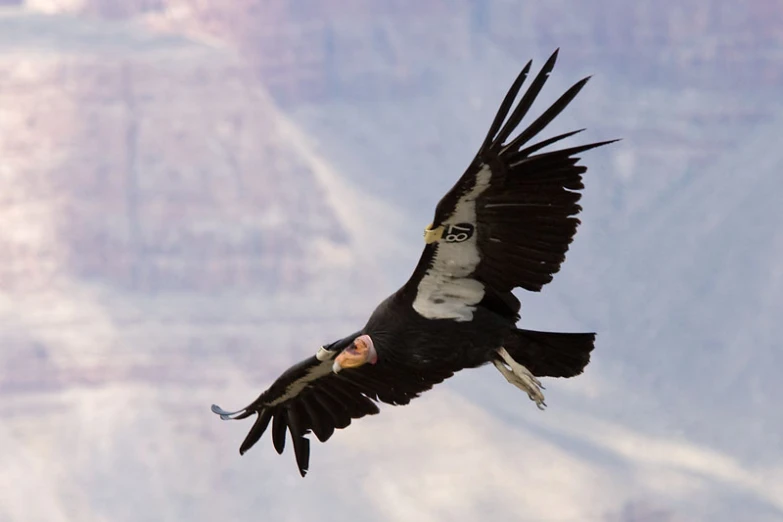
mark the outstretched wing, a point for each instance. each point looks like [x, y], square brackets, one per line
[508, 221]
[309, 397]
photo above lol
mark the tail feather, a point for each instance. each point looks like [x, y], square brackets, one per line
[550, 354]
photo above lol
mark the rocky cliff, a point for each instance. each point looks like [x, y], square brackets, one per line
[152, 164]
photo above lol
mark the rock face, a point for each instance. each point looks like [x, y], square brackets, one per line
[163, 167]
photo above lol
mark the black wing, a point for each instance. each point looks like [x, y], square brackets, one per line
[309, 397]
[509, 220]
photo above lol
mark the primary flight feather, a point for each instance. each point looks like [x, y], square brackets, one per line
[507, 223]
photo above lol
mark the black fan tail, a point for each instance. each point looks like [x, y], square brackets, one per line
[549, 354]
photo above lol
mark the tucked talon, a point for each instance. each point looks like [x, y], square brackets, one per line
[520, 377]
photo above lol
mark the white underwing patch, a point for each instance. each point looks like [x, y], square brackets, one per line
[296, 387]
[447, 291]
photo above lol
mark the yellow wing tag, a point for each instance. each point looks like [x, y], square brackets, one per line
[449, 233]
[430, 235]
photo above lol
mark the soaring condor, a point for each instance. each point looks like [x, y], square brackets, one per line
[506, 224]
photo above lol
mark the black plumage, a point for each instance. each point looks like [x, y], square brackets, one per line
[507, 223]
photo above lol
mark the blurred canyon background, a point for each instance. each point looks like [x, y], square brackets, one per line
[195, 195]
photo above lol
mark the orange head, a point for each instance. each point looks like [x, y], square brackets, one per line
[360, 352]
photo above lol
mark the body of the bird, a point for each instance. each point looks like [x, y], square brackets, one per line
[506, 224]
[421, 344]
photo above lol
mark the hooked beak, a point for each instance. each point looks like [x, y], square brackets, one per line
[360, 352]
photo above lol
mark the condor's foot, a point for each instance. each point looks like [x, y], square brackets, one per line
[520, 377]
